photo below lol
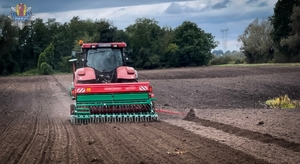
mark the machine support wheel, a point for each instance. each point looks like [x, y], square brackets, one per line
[72, 108]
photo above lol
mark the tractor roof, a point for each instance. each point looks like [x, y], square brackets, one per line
[102, 45]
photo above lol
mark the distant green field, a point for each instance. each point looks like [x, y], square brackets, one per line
[262, 64]
[34, 72]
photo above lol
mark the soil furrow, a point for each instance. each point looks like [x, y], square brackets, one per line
[157, 141]
[9, 142]
[106, 156]
[124, 140]
[268, 152]
[7, 127]
[265, 138]
[28, 144]
[60, 85]
[195, 145]
[84, 154]
[67, 158]
[17, 122]
[155, 145]
[48, 142]
[171, 140]
[7, 118]
[4, 88]
[40, 132]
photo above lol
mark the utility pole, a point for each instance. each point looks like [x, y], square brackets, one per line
[224, 38]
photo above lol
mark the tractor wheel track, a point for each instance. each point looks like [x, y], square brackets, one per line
[37, 138]
[23, 141]
[265, 138]
[57, 132]
[13, 156]
[14, 118]
[49, 141]
[162, 133]
[123, 142]
[28, 144]
[60, 145]
[102, 150]
[7, 127]
[6, 88]
[68, 142]
[143, 136]
[83, 151]
[191, 146]
[67, 135]
[152, 149]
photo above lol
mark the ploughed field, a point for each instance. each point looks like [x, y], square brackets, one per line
[232, 124]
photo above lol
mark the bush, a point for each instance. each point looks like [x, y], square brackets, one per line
[227, 59]
[65, 65]
[45, 69]
[283, 102]
[280, 58]
[239, 61]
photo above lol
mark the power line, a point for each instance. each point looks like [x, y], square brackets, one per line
[224, 38]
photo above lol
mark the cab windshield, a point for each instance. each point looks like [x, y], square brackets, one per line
[104, 59]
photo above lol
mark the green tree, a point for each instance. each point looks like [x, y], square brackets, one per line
[24, 53]
[293, 40]
[65, 65]
[41, 38]
[106, 31]
[280, 21]
[142, 39]
[257, 42]
[46, 59]
[171, 56]
[194, 44]
[120, 36]
[8, 46]
[162, 46]
[45, 69]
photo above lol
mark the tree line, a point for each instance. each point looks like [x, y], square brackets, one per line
[46, 45]
[275, 39]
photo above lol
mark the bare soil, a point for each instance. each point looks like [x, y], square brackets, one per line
[230, 123]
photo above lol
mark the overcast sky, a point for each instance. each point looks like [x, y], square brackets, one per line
[210, 15]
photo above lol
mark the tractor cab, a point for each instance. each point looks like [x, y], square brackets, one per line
[106, 60]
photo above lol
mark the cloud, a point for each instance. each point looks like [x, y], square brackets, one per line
[221, 5]
[263, 4]
[177, 8]
[62, 5]
[252, 1]
[258, 3]
[174, 8]
[5, 6]
[237, 11]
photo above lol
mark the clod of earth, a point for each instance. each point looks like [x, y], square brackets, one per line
[91, 142]
[96, 160]
[190, 116]
[260, 123]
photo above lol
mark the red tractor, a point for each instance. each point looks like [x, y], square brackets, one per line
[106, 89]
